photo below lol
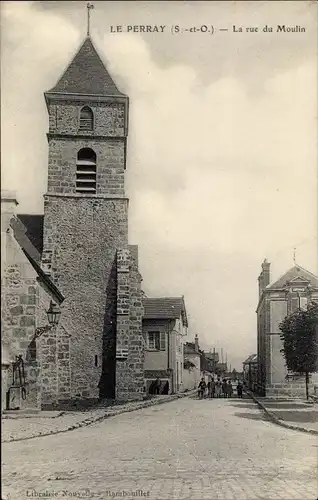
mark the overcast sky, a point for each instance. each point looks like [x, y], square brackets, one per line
[222, 165]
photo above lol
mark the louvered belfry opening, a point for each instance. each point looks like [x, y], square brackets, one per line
[86, 171]
[86, 119]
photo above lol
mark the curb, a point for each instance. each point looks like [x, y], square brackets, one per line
[277, 420]
[107, 414]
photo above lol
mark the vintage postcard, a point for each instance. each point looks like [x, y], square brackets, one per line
[159, 264]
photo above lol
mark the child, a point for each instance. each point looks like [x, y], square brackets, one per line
[201, 387]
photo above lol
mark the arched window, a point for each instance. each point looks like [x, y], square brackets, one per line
[86, 121]
[86, 171]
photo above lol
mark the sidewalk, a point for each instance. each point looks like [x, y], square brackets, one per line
[28, 425]
[294, 414]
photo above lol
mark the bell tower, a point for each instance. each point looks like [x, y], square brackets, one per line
[86, 215]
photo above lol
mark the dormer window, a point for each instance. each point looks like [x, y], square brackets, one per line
[86, 171]
[86, 121]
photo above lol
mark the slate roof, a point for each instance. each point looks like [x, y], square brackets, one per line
[86, 74]
[294, 272]
[251, 359]
[19, 231]
[165, 308]
[34, 229]
[189, 348]
[33, 255]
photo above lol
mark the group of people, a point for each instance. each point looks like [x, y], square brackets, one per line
[219, 388]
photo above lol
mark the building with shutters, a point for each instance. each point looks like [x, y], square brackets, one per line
[164, 328]
[277, 299]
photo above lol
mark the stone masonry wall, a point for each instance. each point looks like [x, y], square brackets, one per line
[81, 237]
[129, 370]
[19, 300]
[109, 118]
[110, 160]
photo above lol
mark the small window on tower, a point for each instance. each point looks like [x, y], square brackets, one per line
[86, 119]
[96, 360]
[86, 171]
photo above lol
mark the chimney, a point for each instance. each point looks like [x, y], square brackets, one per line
[266, 273]
[264, 277]
[260, 284]
[196, 343]
[8, 209]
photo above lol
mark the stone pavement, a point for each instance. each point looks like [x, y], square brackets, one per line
[19, 426]
[187, 449]
[291, 413]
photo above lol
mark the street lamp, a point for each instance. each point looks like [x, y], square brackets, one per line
[53, 314]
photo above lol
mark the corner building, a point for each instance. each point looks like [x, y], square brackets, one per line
[85, 234]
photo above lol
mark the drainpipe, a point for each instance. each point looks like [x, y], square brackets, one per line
[168, 350]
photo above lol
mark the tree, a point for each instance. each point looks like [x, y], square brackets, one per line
[300, 341]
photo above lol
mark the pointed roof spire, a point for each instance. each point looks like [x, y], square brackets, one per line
[86, 75]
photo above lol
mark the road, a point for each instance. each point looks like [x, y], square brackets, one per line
[186, 449]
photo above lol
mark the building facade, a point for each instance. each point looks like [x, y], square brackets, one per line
[83, 237]
[250, 372]
[164, 329]
[34, 358]
[191, 365]
[277, 299]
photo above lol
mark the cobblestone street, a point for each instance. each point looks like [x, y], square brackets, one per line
[185, 449]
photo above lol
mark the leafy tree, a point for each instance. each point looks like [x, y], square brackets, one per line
[300, 341]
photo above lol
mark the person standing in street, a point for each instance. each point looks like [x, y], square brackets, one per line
[218, 388]
[201, 388]
[212, 389]
[239, 390]
[224, 388]
[229, 389]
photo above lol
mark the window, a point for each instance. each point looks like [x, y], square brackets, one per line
[294, 304]
[86, 121]
[157, 341]
[96, 360]
[86, 171]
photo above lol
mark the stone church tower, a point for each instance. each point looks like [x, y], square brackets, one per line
[85, 239]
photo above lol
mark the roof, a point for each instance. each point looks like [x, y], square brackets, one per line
[251, 359]
[189, 348]
[295, 272]
[34, 257]
[19, 231]
[45, 279]
[86, 74]
[165, 308]
[34, 229]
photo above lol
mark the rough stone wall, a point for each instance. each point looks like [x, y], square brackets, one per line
[130, 369]
[23, 308]
[109, 118]
[110, 159]
[81, 237]
[19, 301]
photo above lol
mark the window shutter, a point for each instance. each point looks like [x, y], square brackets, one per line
[294, 304]
[162, 341]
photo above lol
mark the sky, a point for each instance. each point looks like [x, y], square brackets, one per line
[222, 150]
